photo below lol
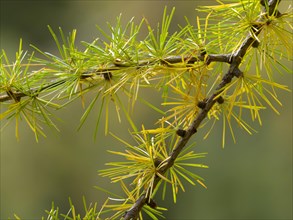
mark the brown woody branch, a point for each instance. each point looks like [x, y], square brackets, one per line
[235, 59]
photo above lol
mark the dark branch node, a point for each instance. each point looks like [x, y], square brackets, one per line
[203, 52]
[151, 203]
[157, 161]
[255, 44]
[181, 132]
[202, 104]
[237, 72]
[220, 100]
[13, 96]
[256, 28]
[208, 60]
[107, 76]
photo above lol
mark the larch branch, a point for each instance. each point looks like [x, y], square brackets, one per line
[235, 60]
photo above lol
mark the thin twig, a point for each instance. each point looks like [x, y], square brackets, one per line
[171, 60]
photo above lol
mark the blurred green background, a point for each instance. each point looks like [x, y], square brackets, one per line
[251, 179]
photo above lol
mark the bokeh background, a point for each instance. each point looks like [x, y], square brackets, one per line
[251, 179]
